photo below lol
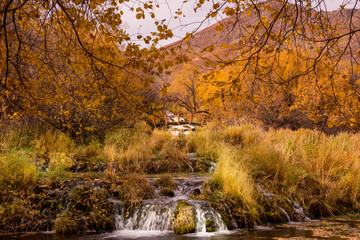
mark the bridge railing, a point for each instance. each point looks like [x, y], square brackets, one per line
[178, 116]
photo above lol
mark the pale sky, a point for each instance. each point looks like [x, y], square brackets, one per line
[190, 22]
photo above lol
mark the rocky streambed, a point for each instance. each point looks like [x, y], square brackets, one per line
[133, 203]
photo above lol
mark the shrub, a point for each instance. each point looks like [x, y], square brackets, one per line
[54, 142]
[135, 188]
[17, 170]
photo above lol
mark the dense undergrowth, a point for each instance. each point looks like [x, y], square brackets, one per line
[316, 170]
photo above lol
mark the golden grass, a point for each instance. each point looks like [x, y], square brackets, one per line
[234, 177]
[138, 150]
[17, 170]
[305, 165]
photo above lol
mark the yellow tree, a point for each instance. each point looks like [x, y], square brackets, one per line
[184, 87]
[70, 63]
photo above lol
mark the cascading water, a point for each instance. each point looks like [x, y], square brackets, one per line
[158, 214]
[297, 214]
[205, 212]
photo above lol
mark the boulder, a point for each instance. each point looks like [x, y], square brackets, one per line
[184, 218]
[167, 192]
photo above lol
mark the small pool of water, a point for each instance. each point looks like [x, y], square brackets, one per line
[334, 230]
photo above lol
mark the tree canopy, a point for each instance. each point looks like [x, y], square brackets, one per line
[72, 63]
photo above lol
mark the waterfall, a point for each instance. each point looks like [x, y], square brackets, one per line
[212, 167]
[298, 212]
[159, 214]
[149, 216]
[205, 212]
[288, 219]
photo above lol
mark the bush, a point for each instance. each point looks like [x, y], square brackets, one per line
[135, 188]
[17, 170]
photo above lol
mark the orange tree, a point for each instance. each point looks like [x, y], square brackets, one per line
[70, 63]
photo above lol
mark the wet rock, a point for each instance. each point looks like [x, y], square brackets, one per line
[184, 218]
[87, 167]
[196, 192]
[298, 213]
[167, 192]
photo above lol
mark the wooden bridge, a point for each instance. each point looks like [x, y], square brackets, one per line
[179, 119]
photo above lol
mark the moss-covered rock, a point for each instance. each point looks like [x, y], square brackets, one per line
[184, 218]
[100, 221]
[210, 225]
[88, 209]
[67, 225]
[200, 165]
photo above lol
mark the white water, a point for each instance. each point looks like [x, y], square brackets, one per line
[157, 215]
[150, 216]
[298, 212]
[204, 212]
[288, 219]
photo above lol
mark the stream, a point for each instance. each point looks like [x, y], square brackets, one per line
[340, 229]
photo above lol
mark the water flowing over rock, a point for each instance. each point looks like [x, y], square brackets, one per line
[282, 209]
[298, 212]
[161, 214]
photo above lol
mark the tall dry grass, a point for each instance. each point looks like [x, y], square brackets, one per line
[142, 151]
[305, 165]
[17, 170]
[318, 170]
[234, 177]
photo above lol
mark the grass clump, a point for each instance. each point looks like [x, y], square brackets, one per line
[134, 189]
[234, 177]
[167, 186]
[18, 170]
[166, 182]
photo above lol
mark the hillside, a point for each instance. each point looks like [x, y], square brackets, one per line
[277, 64]
[254, 28]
